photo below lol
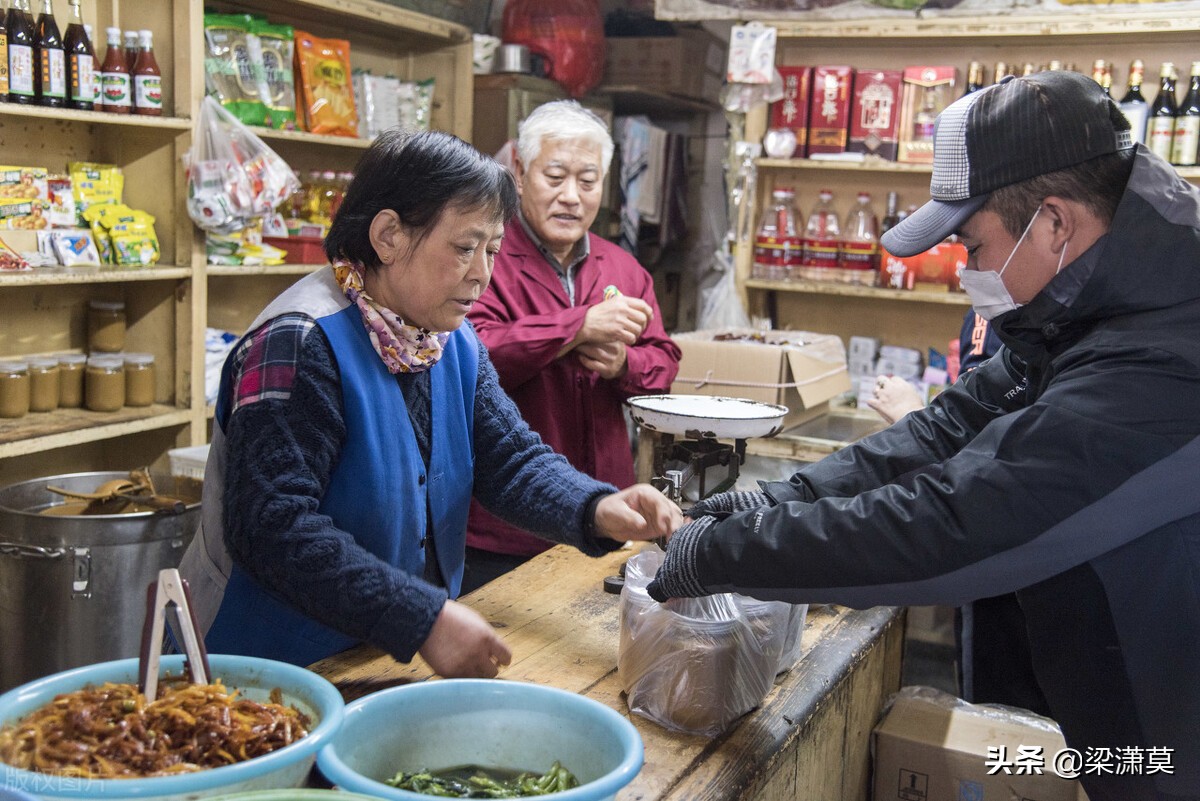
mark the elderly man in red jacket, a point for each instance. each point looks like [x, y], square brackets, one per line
[570, 320]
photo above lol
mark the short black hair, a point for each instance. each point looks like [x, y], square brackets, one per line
[418, 176]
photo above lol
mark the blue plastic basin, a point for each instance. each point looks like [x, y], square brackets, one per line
[514, 725]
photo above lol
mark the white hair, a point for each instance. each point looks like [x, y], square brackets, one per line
[562, 120]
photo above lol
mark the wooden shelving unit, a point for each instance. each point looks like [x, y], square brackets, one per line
[169, 305]
[925, 320]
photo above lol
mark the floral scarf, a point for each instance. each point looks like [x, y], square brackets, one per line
[403, 348]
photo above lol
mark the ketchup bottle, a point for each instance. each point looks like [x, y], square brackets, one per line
[147, 78]
[115, 89]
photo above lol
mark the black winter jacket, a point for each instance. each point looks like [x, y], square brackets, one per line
[1067, 469]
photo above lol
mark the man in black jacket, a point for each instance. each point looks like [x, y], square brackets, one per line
[1064, 469]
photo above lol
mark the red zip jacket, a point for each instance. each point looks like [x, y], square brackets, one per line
[525, 318]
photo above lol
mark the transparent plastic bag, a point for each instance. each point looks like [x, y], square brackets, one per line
[696, 664]
[233, 176]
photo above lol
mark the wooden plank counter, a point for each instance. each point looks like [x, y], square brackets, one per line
[809, 739]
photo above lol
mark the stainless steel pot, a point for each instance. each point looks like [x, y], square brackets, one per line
[512, 58]
[73, 588]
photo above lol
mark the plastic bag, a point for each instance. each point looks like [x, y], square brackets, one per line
[720, 304]
[233, 177]
[696, 664]
[568, 33]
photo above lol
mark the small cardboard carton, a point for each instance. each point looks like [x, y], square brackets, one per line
[796, 369]
[931, 746]
[689, 63]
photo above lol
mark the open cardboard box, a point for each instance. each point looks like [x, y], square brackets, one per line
[796, 369]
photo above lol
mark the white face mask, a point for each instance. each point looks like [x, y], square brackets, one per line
[989, 295]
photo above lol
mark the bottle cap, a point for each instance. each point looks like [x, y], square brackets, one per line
[613, 585]
[73, 358]
[43, 362]
[105, 362]
[146, 38]
[14, 366]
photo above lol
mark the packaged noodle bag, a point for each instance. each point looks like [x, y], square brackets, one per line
[233, 67]
[326, 93]
[277, 44]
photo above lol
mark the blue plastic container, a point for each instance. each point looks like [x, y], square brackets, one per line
[487, 722]
[254, 678]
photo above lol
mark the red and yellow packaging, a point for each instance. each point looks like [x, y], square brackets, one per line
[875, 121]
[791, 111]
[829, 112]
[323, 86]
[935, 270]
[927, 91]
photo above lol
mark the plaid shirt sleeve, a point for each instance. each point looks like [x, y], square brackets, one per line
[265, 363]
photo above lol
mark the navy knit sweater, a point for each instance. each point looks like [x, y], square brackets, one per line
[282, 446]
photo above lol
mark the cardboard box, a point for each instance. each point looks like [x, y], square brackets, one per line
[796, 369]
[689, 64]
[931, 746]
[829, 113]
[875, 121]
[791, 111]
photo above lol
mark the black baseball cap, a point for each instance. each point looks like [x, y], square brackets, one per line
[1009, 132]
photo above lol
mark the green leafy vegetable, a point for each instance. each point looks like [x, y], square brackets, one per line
[480, 783]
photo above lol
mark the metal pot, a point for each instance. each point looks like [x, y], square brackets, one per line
[73, 588]
[512, 58]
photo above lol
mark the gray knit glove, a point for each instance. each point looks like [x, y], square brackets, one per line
[676, 578]
[725, 504]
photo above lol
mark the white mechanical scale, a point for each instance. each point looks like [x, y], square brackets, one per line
[690, 429]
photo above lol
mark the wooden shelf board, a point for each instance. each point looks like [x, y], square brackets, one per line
[867, 165]
[865, 292]
[638, 100]
[240, 270]
[44, 431]
[102, 117]
[1076, 23]
[43, 276]
[312, 138]
[369, 17]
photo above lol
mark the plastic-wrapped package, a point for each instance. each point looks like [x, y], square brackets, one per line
[233, 176]
[696, 664]
[323, 73]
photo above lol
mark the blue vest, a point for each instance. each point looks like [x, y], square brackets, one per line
[379, 491]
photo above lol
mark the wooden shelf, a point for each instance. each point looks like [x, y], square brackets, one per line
[243, 270]
[1078, 22]
[874, 164]
[359, 17]
[101, 117]
[638, 100]
[44, 431]
[44, 276]
[853, 291]
[351, 142]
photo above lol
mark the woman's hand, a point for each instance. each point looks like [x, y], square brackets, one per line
[638, 513]
[462, 645]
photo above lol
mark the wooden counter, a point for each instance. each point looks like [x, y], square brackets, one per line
[809, 739]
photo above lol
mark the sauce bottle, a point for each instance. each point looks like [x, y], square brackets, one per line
[81, 63]
[21, 41]
[147, 79]
[3, 51]
[115, 89]
[131, 49]
[51, 64]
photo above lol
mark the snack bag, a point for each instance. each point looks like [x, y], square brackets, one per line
[75, 248]
[62, 202]
[94, 184]
[414, 100]
[277, 87]
[233, 66]
[326, 94]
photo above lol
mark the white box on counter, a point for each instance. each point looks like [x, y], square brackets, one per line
[797, 369]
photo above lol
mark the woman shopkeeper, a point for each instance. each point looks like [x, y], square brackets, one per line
[358, 417]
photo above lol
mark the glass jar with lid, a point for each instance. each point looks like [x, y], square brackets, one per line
[70, 380]
[106, 326]
[104, 383]
[43, 383]
[139, 379]
[14, 388]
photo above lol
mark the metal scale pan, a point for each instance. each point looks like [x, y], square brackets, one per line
[706, 417]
